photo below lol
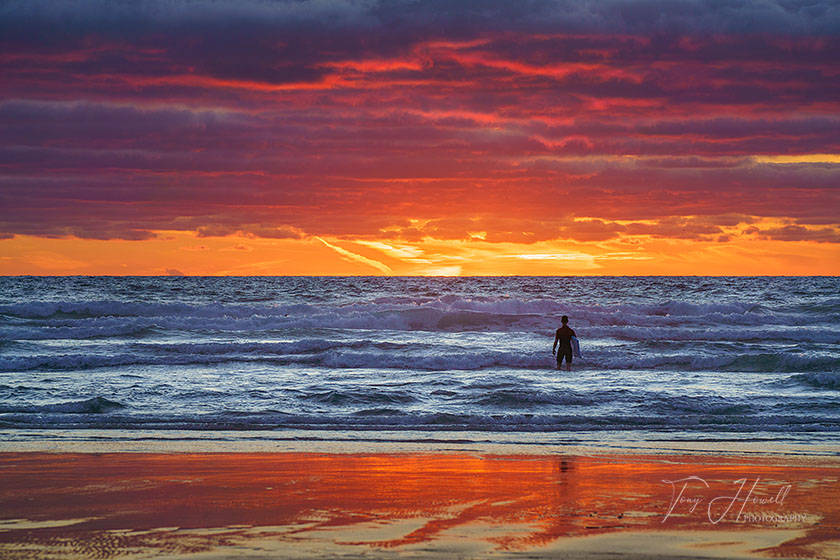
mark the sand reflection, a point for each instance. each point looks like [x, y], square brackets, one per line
[125, 504]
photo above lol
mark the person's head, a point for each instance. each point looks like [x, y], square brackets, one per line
[564, 319]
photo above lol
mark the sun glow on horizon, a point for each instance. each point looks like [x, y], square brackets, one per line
[175, 252]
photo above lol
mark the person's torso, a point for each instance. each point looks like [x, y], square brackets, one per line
[565, 335]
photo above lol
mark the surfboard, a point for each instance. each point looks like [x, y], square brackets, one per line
[576, 347]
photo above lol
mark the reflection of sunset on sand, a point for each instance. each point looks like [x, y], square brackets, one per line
[301, 504]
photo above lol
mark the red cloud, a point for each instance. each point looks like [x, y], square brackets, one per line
[510, 132]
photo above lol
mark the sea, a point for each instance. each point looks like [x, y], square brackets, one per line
[447, 362]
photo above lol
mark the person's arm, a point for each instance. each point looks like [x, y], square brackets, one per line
[556, 340]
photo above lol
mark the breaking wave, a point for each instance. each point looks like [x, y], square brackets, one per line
[95, 405]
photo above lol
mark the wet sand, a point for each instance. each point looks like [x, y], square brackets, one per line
[417, 505]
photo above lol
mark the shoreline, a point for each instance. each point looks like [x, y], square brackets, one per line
[420, 504]
[405, 441]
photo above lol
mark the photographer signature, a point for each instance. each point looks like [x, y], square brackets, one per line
[684, 493]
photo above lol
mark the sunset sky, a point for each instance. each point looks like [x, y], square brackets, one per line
[441, 138]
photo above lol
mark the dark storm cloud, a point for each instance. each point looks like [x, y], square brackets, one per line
[612, 16]
[285, 41]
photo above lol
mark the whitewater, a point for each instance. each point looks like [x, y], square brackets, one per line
[443, 359]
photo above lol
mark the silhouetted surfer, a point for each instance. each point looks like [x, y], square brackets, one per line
[564, 337]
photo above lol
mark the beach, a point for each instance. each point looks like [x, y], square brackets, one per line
[417, 417]
[423, 505]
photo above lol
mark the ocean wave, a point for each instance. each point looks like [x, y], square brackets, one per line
[114, 308]
[791, 361]
[440, 362]
[691, 361]
[140, 329]
[95, 405]
[115, 328]
[367, 354]
[348, 397]
[699, 404]
[714, 334]
[820, 379]
[684, 308]
[379, 412]
[527, 398]
[101, 318]
[302, 346]
[90, 361]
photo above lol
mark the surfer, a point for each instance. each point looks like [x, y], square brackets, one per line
[564, 337]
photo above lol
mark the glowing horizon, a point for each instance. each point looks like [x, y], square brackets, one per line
[333, 138]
